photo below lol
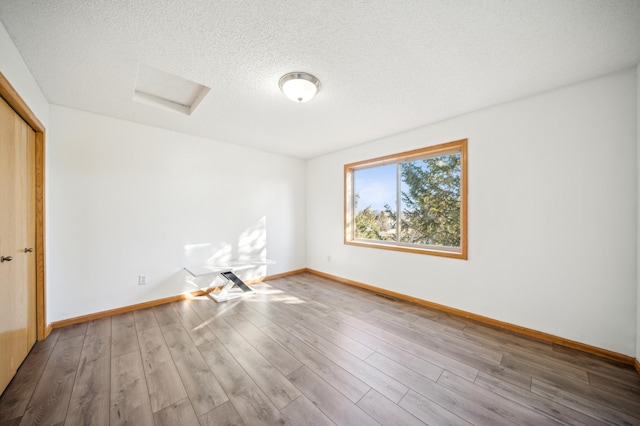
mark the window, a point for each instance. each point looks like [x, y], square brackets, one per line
[414, 201]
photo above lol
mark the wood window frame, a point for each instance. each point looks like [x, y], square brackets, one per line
[13, 98]
[349, 231]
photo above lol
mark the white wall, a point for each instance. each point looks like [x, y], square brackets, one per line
[552, 215]
[128, 199]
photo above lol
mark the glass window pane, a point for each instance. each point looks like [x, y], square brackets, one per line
[430, 201]
[375, 202]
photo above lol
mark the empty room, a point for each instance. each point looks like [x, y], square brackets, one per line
[323, 213]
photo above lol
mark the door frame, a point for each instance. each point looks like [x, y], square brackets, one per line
[13, 98]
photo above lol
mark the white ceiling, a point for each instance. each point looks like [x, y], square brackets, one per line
[386, 66]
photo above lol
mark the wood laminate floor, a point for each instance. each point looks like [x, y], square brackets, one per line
[305, 350]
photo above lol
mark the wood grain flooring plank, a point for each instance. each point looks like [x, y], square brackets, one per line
[373, 377]
[545, 406]
[301, 411]
[297, 309]
[211, 313]
[535, 370]
[50, 399]
[496, 403]
[350, 386]
[130, 402]
[200, 383]
[625, 405]
[462, 406]
[299, 296]
[251, 403]
[166, 318]
[144, 319]
[586, 405]
[254, 317]
[429, 389]
[421, 351]
[446, 329]
[91, 393]
[339, 300]
[310, 297]
[552, 361]
[612, 369]
[430, 412]
[444, 318]
[403, 358]
[99, 328]
[504, 340]
[386, 412]
[436, 340]
[14, 400]
[395, 311]
[405, 375]
[124, 337]
[450, 346]
[470, 355]
[163, 381]
[179, 413]
[331, 402]
[315, 292]
[514, 376]
[353, 299]
[629, 389]
[275, 385]
[543, 367]
[348, 344]
[223, 415]
[278, 356]
[71, 331]
[403, 312]
[275, 316]
[195, 326]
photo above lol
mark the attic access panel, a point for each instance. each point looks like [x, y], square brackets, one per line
[163, 89]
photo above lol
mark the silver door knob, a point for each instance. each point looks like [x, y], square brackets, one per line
[6, 259]
[28, 250]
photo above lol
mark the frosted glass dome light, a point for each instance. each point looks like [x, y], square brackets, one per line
[299, 86]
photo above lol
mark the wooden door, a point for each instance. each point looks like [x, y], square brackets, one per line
[17, 242]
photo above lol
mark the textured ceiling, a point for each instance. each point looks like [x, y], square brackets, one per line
[385, 66]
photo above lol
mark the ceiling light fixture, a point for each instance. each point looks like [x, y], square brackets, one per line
[299, 86]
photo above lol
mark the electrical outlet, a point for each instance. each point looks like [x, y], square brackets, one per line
[142, 280]
[328, 258]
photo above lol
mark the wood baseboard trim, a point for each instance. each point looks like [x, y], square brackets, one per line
[152, 303]
[124, 309]
[550, 338]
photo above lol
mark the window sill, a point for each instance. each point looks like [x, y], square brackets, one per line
[454, 254]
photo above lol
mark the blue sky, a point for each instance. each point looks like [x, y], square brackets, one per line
[376, 186]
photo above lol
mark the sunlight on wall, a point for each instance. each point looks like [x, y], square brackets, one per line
[248, 258]
[252, 244]
[208, 253]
